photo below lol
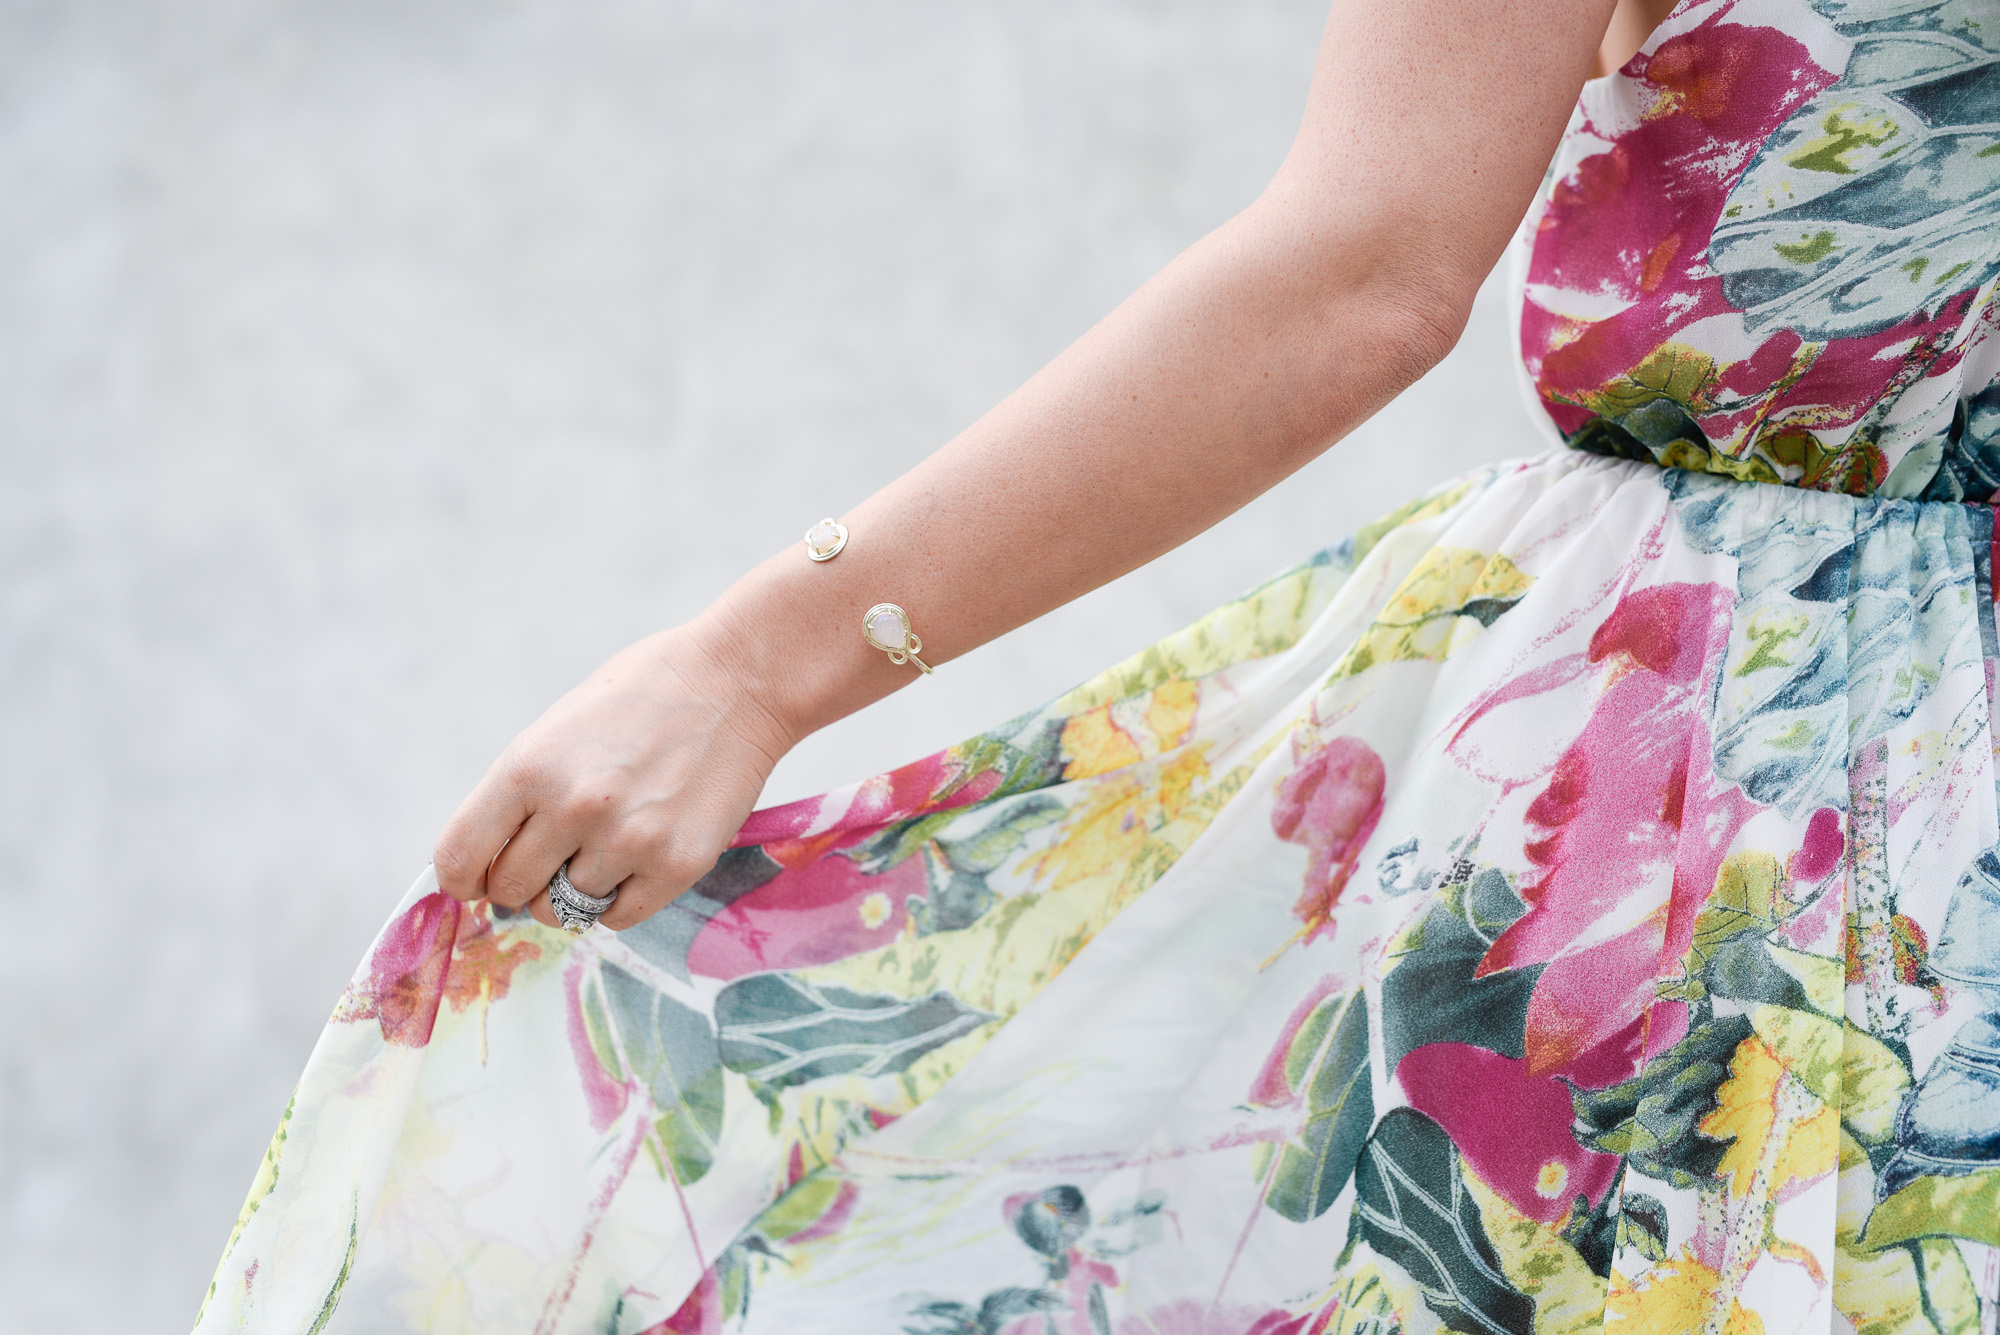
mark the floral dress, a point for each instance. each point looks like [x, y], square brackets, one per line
[1572, 902]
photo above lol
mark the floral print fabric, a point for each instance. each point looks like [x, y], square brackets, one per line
[1769, 245]
[1571, 902]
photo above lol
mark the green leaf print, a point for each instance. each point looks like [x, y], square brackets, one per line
[327, 1308]
[780, 1030]
[672, 1049]
[1413, 1208]
[977, 840]
[1651, 1119]
[1051, 1221]
[1644, 1225]
[801, 1207]
[960, 849]
[1943, 1206]
[1749, 896]
[1872, 202]
[980, 846]
[1000, 1310]
[1432, 995]
[1745, 969]
[1329, 1060]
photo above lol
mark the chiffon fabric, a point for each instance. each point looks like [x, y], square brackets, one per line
[1570, 903]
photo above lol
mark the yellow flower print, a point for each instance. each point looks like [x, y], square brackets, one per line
[1536, 1259]
[1849, 136]
[874, 910]
[1672, 1298]
[1753, 1105]
[1170, 713]
[1126, 732]
[1772, 632]
[1093, 744]
[1106, 831]
[1452, 595]
[1672, 371]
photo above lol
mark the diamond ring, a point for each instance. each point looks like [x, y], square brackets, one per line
[575, 911]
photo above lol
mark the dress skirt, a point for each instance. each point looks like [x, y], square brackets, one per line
[1570, 903]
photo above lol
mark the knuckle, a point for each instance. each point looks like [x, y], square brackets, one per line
[640, 840]
[455, 871]
[633, 907]
[682, 862]
[520, 770]
[579, 806]
[511, 890]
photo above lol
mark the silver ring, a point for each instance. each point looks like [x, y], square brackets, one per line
[575, 911]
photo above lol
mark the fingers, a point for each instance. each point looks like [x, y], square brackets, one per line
[477, 832]
[637, 779]
[648, 864]
[640, 897]
[531, 857]
[600, 866]
[646, 860]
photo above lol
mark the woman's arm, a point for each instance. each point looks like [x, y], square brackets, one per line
[1428, 126]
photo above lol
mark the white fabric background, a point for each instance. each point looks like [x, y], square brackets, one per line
[369, 371]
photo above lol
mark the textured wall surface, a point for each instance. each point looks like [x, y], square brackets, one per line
[369, 371]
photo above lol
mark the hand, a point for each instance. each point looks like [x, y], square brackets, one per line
[638, 778]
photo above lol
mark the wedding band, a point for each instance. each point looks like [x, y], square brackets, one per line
[575, 911]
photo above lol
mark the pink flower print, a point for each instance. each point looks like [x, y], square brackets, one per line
[701, 1314]
[938, 782]
[1635, 831]
[1821, 849]
[1636, 198]
[1512, 1126]
[604, 1096]
[828, 909]
[821, 906]
[1329, 803]
[404, 977]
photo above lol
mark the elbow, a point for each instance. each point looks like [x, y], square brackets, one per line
[1414, 285]
[1374, 276]
[1415, 324]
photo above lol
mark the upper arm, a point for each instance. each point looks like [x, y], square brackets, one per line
[1429, 126]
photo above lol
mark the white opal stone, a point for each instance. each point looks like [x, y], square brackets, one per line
[887, 628]
[824, 538]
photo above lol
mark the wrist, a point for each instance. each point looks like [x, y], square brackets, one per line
[732, 673]
[744, 636]
[787, 633]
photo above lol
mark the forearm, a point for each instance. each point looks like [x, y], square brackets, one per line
[1247, 356]
[1236, 365]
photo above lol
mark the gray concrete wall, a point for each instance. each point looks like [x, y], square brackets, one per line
[369, 371]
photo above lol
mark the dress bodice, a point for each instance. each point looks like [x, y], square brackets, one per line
[1768, 248]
